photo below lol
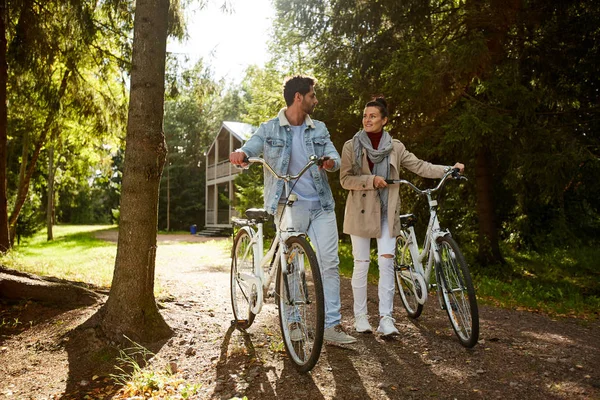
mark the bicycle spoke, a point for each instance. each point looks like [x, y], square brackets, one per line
[408, 286]
[301, 305]
[242, 262]
[458, 293]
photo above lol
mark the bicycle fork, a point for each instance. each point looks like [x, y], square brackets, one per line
[292, 271]
[418, 277]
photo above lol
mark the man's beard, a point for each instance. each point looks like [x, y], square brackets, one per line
[309, 109]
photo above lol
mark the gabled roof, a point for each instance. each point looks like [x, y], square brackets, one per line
[240, 130]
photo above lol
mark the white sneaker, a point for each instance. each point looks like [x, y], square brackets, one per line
[386, 326]
[361, 324]
[337, 335]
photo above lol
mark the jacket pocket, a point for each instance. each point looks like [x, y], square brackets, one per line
[319, 144]
[273, 147]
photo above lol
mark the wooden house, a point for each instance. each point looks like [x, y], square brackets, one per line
[220, 173]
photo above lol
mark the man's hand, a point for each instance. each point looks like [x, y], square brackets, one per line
[237, 158]
[326, 163]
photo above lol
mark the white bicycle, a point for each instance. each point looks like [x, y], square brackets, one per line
[440, 252]
[298, 286]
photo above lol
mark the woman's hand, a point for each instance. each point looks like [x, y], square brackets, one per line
[460, 166]
[379, 182]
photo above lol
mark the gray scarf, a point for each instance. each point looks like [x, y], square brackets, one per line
[379, 157]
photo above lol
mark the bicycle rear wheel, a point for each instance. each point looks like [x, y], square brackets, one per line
[301, 304]
[458, 292]
[406, 273]
[243, 295]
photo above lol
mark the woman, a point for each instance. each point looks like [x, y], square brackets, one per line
[372, 208]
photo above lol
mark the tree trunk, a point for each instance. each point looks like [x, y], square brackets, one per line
[50, 204]
[131, 307]
[4, 234]
[168, 196]
[25, 177]
[489, 249]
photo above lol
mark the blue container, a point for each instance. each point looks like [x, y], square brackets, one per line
[193, 229]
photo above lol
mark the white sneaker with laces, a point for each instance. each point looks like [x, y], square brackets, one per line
[337, 335]
[361, 324]
[386, 326]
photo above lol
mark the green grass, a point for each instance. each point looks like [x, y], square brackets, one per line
[74, 254]
[557, 282]
[560, 282]
[142, 374]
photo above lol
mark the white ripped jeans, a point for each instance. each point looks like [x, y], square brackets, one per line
[361, 250]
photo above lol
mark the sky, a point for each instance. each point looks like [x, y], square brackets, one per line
[228, 42]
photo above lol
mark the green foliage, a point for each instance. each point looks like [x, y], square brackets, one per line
[66, 91]
[31, 220]
[139, 376]
[262, 94]
[193, 115]
[464, 79]
[249, 189]
[558, 282]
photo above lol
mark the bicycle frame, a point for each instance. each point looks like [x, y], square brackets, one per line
[258, 279]
[433, 232]
[430, 251]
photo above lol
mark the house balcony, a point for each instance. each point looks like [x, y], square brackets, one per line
[220, 170]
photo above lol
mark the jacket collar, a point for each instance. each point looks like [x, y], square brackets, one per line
[283, 121]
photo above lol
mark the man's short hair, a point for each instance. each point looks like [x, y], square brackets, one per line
[296, 84]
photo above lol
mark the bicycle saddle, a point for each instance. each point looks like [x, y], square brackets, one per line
[258, 214]
[408, 220]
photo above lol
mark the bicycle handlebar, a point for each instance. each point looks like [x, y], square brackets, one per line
[312, 160]
[453, 172]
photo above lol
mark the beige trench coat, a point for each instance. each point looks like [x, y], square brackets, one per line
[362, 216]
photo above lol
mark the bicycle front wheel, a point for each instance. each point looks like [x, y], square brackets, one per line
[301, 304]
[458, 292]
[406, 277]
[243, 294]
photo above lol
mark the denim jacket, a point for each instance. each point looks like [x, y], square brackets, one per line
[273, 139]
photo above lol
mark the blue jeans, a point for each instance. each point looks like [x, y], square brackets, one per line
[321, 227]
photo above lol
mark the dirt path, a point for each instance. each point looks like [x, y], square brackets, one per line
[520, 355]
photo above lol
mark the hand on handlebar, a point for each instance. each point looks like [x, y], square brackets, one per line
[461, 167]
[238, 158]
[325, 162]
[457, 171]
[379, 182]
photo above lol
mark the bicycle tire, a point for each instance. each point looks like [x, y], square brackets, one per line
[403, 266]
[458, 292]
[242, 296]
[301, 304]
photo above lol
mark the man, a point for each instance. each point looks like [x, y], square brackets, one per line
[286, 142]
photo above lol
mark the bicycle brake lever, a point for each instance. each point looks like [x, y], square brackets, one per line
[245, 161]
[321, 160]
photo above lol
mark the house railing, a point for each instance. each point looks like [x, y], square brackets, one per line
[223, 169]
[220, 170]
[210, 172]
